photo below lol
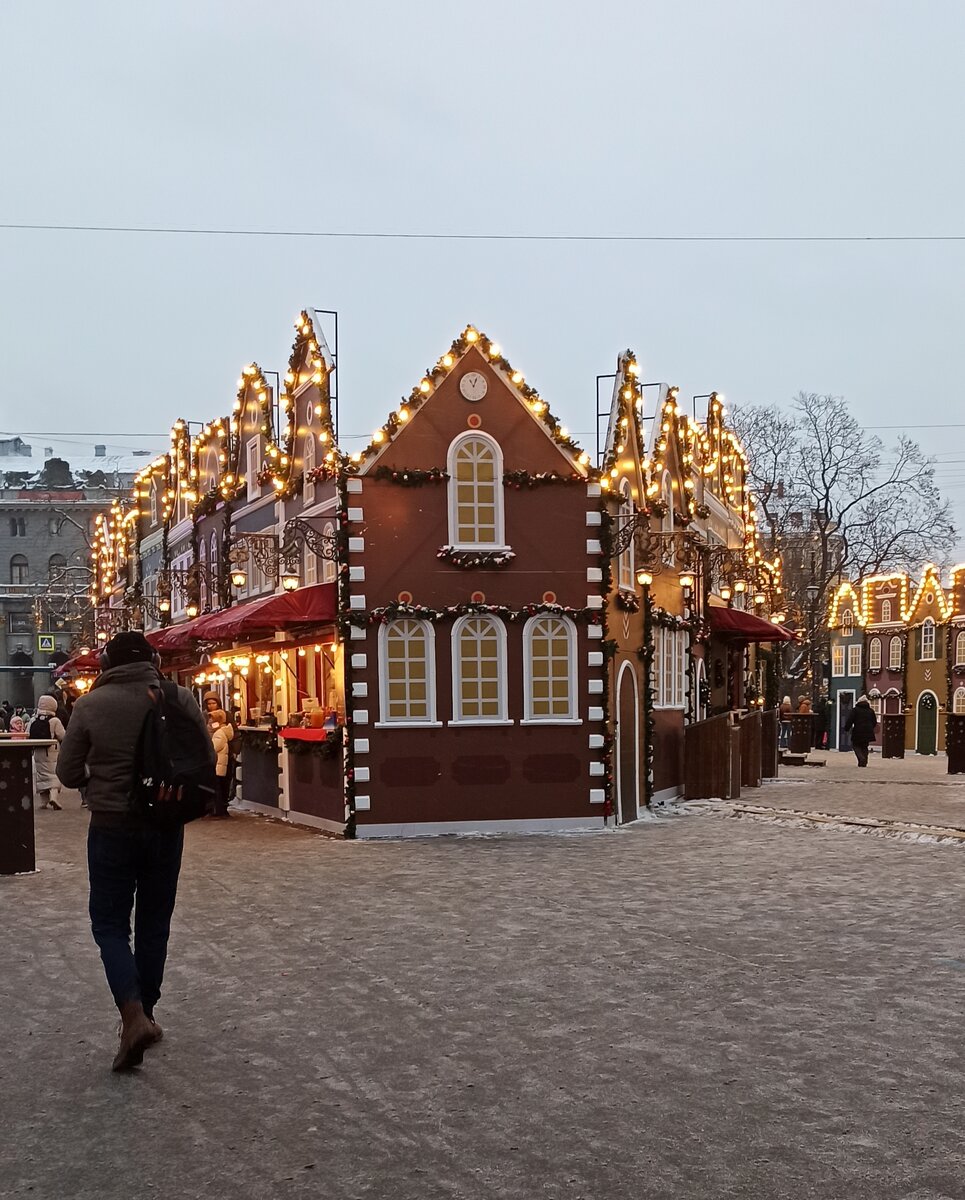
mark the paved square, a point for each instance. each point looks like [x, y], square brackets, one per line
[694, 1007]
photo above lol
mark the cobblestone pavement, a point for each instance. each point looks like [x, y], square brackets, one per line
[694, 1007]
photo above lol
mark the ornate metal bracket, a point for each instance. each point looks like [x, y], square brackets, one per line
[262, 547]
[299, 533]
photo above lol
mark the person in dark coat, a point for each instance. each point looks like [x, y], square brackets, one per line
[862, 723]
[821, 714]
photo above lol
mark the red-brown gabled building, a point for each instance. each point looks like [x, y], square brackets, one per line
[474, 629]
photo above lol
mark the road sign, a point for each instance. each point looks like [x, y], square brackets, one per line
[45, 643]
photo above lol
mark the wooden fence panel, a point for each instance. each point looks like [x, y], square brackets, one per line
[711, 752]
[750, 730]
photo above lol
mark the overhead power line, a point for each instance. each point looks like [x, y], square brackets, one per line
[386, 235]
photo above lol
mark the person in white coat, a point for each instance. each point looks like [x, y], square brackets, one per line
[219, 729]
[46, 724]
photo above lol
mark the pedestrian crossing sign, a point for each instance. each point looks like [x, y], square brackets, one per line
[45, 642]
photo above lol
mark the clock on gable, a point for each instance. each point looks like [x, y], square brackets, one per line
[473, 385]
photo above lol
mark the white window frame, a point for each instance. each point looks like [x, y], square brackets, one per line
[885, 611]
[214, 568]
[499, 506]
[155, 508]
[894, 654]
[421, 722]
[837, 662]
[252, 467]
[927, 652]
[571, 717]
[958, 701]
[666, 524]
[310, 566]
[308, 465]
[626, 580]
[329, 566]
[960, 649]
[854, 659]
[847, 622]
[671, 668]
[874, 654]
[458, 718]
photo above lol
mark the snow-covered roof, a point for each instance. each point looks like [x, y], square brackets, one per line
[124, 457]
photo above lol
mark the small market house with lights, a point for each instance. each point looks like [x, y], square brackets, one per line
[884, 600]
[847, 682]
[926, 672]
[475, 604]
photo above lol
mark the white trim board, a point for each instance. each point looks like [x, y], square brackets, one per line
[440, 828]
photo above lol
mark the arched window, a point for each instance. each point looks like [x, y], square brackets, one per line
[847, 622]
[308, 489]
[927, 640]
[874, 654]
[213, 568]
[407, 672]
[549, 665]
[894, 654]
[960, 650]
[666, 523]
[56, 566]
[885, 611]
[625, 577]
[202, 573]
[18, 569]
[476, 493]
[958, 701]
[212, 469]
[479, 670]
[154, 502]
[329, 566]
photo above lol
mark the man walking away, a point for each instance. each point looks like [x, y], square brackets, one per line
[862, 724]
[133, 862]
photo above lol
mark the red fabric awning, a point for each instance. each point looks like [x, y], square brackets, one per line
[731, 622]
[80, 662]
[306, 606]
[176, 637]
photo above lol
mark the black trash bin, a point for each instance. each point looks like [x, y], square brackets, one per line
[955, 743]
[893, 735]
[802, 725]
[17, 807]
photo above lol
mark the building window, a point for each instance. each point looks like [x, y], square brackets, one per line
[18, 527]
[479, 670]
[927, 640]
[960, 650]
[213, 571]
[847, 622]
[894, 654]
[854, 660]
[874, 654]
[308, 491]
[837, 662]
[407, 672]
[56, 567]
[885, 611]
[252, 467]
[475, 492]
[670, 656]
[154, 503]
[18, 569]
[329, 565]
[666, 523]
[549, 646]
[958, 701]
[54, 526]
[625, 577]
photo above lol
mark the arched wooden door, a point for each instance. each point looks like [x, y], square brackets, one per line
[926, 738]
[628, 745]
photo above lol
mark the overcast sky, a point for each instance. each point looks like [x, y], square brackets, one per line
[636, 118]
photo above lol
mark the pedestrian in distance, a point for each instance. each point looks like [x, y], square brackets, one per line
[862, 724]
[17, 727]
[804, 706]
[119, 735]
[821, 714]
[786, 711]
[45, 726]
[219, 729]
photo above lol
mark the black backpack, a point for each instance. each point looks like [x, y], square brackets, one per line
[174, 775]
[40, 727]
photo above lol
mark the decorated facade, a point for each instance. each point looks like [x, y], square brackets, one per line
[468, 624]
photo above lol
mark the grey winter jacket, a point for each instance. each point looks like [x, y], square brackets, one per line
[99, 747]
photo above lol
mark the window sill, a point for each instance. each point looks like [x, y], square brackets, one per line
[479, 724]
[551, 721]
[486, 548]
[407, 725]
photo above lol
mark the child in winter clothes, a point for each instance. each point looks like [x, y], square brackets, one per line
[219, 728]
[46, 724]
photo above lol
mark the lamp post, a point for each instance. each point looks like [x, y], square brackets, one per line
[813, 591]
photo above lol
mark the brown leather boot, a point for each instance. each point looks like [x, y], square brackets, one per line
[137, 1033]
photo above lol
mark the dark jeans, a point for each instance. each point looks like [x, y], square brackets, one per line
[860, 752]
[221, 795]
[133, 868]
